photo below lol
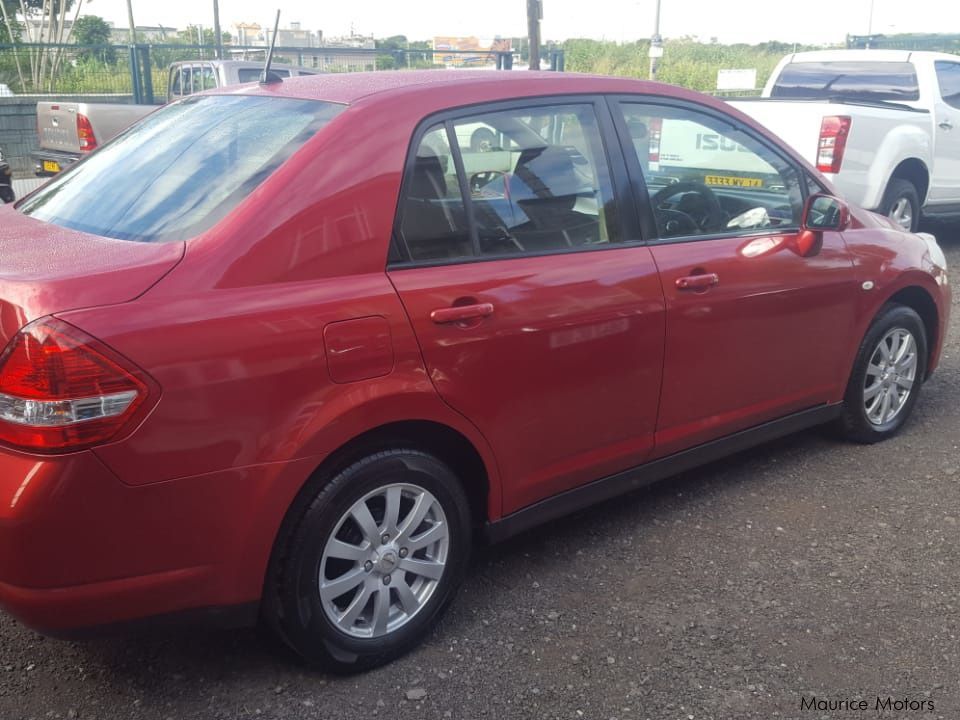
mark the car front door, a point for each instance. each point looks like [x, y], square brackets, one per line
[754, 330]
[539, 315]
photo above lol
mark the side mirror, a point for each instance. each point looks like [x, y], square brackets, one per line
[821, 212]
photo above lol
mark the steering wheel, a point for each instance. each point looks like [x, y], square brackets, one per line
[688, 220]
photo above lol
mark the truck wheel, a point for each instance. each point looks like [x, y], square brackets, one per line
[901, 203]
[371, 561]
[482, 140]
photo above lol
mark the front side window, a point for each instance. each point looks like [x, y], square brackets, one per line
[181, 169]
[705, 177]
[537, 182]
[948, 77]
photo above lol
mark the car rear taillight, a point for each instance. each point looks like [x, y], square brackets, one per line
[834, 130]
[61, 390]
[88, 141]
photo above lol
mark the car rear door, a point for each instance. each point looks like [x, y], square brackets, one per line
[538, 311]
[754, 331]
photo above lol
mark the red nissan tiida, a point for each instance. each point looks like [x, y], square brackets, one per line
[284, 351]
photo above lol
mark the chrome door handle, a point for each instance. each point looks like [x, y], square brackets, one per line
[946, 125]
[459, 313]
[697, 282]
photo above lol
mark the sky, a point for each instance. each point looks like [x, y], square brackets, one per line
[750, 21]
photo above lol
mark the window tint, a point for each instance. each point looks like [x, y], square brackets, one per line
[433, 216]
[705, 177]
[538, 180]
[948, 76]
[181, 169]
[854, 80]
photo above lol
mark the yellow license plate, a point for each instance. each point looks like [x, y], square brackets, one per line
[724, 180]
[51, 166]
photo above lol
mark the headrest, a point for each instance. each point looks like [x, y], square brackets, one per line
[427, 182]
[543, 173]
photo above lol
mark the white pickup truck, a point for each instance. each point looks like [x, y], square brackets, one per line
[883, 125]
[69, 130]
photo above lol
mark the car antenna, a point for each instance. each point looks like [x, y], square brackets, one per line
[267, 77]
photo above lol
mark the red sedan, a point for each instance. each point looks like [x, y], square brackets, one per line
[279, 351]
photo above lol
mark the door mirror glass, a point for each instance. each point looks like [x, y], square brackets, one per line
[824, 212]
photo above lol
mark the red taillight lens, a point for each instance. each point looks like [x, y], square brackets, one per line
[834, 130]
[61, 390]
[88, 141]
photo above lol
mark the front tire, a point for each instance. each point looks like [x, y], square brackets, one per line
[901, 203]
[886, 377]
[371, 562]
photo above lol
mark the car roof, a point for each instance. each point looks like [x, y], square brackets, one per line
[469, 85]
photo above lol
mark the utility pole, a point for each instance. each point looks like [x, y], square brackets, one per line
[133, 27]
[656, 45]
[216, 29]
[534, 15]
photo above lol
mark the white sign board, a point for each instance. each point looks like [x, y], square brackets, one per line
[737, 79]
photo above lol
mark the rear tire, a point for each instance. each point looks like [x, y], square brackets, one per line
[354, 533]
[886, 378]
[901, 203]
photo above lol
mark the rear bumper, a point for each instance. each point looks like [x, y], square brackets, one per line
[80, 549]
[62, 159]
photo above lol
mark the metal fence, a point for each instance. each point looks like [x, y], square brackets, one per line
[140, 74]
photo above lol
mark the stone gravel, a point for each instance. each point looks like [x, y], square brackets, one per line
[806, 567]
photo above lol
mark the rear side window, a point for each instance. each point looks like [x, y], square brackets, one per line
[245, 75]
[889, 81]
[181, 169]
[948, 77]
[537, 182]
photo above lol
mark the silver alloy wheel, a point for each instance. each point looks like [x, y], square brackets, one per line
[902, 213]
[891, 373]
[384, 560]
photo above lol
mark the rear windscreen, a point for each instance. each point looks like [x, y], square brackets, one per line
[181, 169]
[885, 81]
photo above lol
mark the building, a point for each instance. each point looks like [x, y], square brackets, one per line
[459, 51]
[336, 54]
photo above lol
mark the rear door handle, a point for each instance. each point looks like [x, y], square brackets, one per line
[459, 313]
[946, 125]
[698, 282]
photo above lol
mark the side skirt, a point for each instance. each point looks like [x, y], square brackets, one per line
[623, 482]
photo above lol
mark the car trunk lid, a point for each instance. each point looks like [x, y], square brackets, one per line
[46, 269]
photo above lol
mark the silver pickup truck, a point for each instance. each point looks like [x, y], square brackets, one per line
[69, 130]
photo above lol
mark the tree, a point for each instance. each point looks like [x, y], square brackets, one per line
[45, 23]
[91, 30]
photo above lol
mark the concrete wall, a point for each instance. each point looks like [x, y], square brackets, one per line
[18, 125]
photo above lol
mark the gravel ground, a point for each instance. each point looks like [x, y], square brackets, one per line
[803, 568]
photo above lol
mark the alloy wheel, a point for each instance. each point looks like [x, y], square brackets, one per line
[890, 376]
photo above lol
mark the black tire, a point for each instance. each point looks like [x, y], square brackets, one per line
[292, 603]
[853, 423]
[482, 140]
[899, 189]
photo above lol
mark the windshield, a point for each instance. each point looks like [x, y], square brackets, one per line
[180, 170]
[855, 80]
